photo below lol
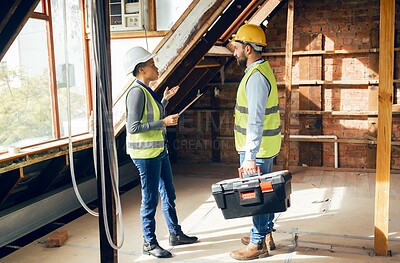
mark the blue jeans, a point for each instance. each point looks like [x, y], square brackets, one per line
[155, 177]
[262, 224]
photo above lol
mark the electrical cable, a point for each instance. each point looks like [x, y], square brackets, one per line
[105, 123]
[111, 148]
[70, 149]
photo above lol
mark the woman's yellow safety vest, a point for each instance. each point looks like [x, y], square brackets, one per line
[271, 136]
[150, 144]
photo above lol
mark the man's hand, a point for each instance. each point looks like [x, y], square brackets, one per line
[169, 93]
[249, 167]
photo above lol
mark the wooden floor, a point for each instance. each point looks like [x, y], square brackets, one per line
[331, 219]
[357, 184]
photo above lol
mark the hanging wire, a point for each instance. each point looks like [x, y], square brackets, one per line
[105, 123]
[70, 148]
[145, 34]
[107, 120]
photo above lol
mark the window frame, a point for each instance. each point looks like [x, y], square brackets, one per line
[29, 149]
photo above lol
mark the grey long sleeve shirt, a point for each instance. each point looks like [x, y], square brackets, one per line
[135, 105]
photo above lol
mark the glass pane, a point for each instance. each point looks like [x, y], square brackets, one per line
[70, 69]
[115, 9]
[39, 7]
[169, 11]
[25, 105]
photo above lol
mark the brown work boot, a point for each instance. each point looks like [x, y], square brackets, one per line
[251, 251]
[268, 240]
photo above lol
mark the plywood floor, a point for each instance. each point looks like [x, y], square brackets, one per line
[331, 219]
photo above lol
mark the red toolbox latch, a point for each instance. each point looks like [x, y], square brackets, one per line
[266, 187]
[248, 195]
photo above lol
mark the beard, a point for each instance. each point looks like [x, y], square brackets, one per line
[242, 61]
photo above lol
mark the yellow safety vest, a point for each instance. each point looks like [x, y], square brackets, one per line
[271, 136]
[150, 144]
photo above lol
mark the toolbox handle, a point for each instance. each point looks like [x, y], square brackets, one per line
[249, 197]
[240, 170]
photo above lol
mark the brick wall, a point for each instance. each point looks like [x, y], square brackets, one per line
[345, 26]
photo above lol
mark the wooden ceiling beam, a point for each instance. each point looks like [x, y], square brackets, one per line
[264, 11]
[200, 43]
[239, 20]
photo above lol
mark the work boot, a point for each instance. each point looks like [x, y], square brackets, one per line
[154, 249]
[180, 239]
[268, 240]
[251, 251]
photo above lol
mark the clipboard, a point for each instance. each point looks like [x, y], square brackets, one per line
[198, 96]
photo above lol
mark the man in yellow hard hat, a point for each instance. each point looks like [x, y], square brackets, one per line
[257, 128]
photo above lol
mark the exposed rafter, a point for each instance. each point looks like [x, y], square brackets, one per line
[264, 11]
[13, 16]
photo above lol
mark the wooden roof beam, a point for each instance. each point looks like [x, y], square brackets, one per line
[219, 51]
[264, 11]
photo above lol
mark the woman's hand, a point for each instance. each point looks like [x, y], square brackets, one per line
[169, 93]
[171, 120]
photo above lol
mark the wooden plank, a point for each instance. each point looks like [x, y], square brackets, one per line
[363, 186]
[192, 54]
[372, 182]
[386, 57]
[338, 179]
[288, 83]
[42, 152]
[265, 10]
[327, 52]
[216, 51]
[239, 20]
[315, 178]
[186, 86]
[202, 38]
[138, 34]
[327, 180]
[395, 187]
[350, 182]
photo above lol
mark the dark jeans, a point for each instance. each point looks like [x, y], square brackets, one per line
[156, 177]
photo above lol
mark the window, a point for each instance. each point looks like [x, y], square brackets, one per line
[34, 81]
[168, 12]
[25, 103]
[69, 58]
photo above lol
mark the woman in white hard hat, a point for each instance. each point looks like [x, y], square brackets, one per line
[146, 144]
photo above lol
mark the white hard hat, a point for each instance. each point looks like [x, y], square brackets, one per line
[134, 56]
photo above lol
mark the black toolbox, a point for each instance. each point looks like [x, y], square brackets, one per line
[240, 197]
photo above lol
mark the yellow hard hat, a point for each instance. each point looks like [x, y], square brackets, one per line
[251, 33]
